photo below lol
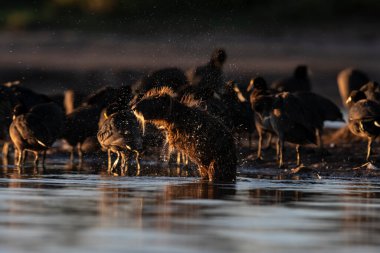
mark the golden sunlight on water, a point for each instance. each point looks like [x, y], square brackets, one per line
[82, 209]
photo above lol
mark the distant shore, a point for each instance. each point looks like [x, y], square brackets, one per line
[57, 60]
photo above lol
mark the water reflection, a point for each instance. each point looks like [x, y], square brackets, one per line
[84, 209]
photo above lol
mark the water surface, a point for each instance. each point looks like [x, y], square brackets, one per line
[61, 209]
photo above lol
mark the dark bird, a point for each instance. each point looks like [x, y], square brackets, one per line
[290, 121]
[258, 86]
[238, 115]
[7, 103]
[12, 94]
[193, 132]
[298, 82]
[320, 110]
[371, 91]
[79, 125]
[363, 118]
[120, 134]
[35, 130]
[350, 79]
[261, 102]
[209, 75]
[82, 124]
[199, 92]
[26, 96]
[102, 97]
[174, 78]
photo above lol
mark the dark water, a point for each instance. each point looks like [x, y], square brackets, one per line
[62, 209]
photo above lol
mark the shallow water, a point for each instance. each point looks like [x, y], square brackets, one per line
[62, 209]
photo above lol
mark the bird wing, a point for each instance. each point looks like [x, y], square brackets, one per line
[295, 111]
[322, 107]
[51, 115]
[365, 110]
[32, 130]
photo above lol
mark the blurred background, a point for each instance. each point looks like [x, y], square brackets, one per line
[51, 45]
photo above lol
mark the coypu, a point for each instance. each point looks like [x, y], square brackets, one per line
[298, 82]
[120, 133]
[35, 130]
[203, 138]
[289, 120]
[350, 79]
[363, 118]
[321, 109]
[211, 74]
[230, 106]
[260, 103]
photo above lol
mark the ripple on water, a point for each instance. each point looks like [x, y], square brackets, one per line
[61, 210]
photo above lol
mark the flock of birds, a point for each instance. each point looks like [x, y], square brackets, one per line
[196, 114]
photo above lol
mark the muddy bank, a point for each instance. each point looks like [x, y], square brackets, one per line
[343, 157]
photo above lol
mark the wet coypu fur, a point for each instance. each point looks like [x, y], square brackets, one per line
[203, 138]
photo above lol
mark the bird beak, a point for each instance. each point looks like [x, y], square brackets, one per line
[349, 99]
[105, 115]
[14, 117]
[250, 86]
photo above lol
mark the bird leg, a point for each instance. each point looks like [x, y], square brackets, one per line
[260, 144]
[116, 161]
[369, 146]
[269, 141]
[203, 172]
[125, 164]
[80, 153]
[122, 163]
[362, 166]
[36, 158]
[318, 133]
[72, 155]
[137, 156]
[23, 157]
[184, 158]
[5, 149]
[298, 155]
[178, 158]
[369, 165]
[19, 157]
[280, 145]
[109, 160]
[43, 158]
